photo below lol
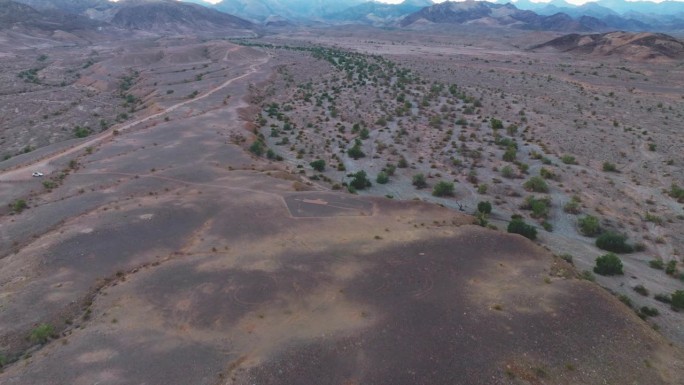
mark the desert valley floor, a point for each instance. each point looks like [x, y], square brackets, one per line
[184, 232]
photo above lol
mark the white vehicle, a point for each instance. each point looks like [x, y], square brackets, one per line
[37, 174]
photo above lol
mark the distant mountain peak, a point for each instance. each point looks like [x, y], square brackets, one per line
[502, 15]
[171, 15]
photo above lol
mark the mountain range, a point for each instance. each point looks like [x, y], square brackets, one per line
[197, 15]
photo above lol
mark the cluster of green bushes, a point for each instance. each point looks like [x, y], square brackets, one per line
[518, 226]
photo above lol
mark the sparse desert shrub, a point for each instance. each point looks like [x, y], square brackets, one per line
[42, 333]
[496, 124]
[360, 181]
[664, 298]
[653, 218]
[671, 267]
[481, 219]
[656, 264]
[609, 167]
[608, 264]
[626, 300]
[539, 206]
[484, 207]
[567, 258]
[318, 165]
[390, 169]
[403, 163]
[510, 154]
[49, 184]
[568, 159]
[419, 181]
[573, 207]
[547, 174]
[589, 226]
[507, 172]
[443, 189]
[355, 152]
[19, 205]
[616, 243]
[81, 132]
[536, 184]
[382, 177]
[257, 148]
[677, 193]
[641, 290]
[587, 275]
[518, 226]
[677, 300]
[646, 311]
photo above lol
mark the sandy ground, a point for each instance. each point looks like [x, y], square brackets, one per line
[169, 254]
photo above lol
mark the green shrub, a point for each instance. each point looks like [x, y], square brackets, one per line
[568, 159]
[496, 124]
[355, 152]
[573, 207]
[587, 275]
[42, 333]
[419, 181]
[656, 264]
[257, 148]
[646, 311]
[671, 267]
[19, 205]
[382, 177]
[664, 298]
[484, 207]
[677, 300]
[539, 206]
[360, 181]
[589, 226]
[389, 169]
[677, 193]
[518, 226]
[609, 167]
[481, 219]
[507, 172]
[547, 174]
[536, 184]
[626, 300]
[608, 264]
[81, 132]
[616, 243]
[318, 165]
[641, 290]
[567, 258]
[443, 189]
[510, 154]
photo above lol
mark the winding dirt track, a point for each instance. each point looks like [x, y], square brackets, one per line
[24, 172]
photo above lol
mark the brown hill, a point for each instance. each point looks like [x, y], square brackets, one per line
[20, 16]
[634, 46]
[167, 15]
[493, 14]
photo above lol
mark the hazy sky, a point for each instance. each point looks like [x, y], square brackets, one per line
[578, 2]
